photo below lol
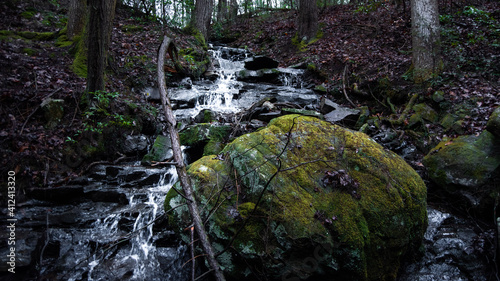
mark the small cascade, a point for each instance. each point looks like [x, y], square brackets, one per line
[219, 96]
[291, 77]
[132, 225]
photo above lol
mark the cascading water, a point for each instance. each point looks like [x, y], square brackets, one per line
[219, 96]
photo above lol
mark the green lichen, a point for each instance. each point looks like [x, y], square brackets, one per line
[278, 172]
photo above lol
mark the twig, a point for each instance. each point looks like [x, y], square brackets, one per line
[343, 87]
[38, 106]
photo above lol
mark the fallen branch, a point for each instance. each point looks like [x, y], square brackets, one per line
[343, 88]
[167, 44]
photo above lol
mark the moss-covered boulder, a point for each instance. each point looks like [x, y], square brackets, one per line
[493, 125]
[305, 199]
[464, 168]
[466, 161]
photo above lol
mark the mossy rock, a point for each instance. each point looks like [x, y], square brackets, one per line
[161, 151]
[306, 199]
[463, 162]
[493, 125]
[211, 135]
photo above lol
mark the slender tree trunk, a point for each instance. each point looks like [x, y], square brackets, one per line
[101, 14]
[425, 39]
[308, 19]
[77, 15]
[180, 167]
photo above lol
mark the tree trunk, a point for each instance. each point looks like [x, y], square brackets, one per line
[77, 15]
[308, 19]
[180, 167]
[425, 39]
[222, 11]
[101, 14]
[233, 10]
[202, 16]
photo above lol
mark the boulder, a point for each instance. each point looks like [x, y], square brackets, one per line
[493, 125]
[463, 167]
[305, 199]
[463, 162]
[260, 62]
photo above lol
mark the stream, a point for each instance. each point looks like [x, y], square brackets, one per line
[108, 225]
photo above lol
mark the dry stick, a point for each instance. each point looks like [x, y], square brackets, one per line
[180, 167]
[38, 106]
[343, 87]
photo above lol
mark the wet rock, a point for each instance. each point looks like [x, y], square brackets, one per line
[466, 161]
[260, 62]
[205, 116]
[327, 105]
[463, 167]
[493, 125]
[205, 137]
[259, 76]
[341, 114]
[114, 196]
[454, 250]
[304, 112]
[134, 144]
[354, 214]
[58, 195]
[161, 151]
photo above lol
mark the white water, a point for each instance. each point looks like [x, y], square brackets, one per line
[132, 255]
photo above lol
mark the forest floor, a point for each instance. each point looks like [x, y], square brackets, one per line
[366, 51]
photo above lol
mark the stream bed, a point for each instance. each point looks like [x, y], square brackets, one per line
[109, 224]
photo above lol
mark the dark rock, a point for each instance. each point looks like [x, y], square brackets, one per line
[58, 195]
[134, 144]
[113, 171]
[113, 196]
[149, 180]
[260, 62]
[205, 116]
[327, 105]
[259, 76]
[268, 116]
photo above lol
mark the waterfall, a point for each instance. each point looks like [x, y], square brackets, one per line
[219, 96]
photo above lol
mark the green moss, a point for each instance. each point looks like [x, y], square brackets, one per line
[79, 65]
[28, 14]
[29, 51]
[367, 232]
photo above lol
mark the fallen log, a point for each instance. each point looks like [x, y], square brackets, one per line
[167, 44]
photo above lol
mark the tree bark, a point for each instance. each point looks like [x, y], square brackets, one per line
[308, 19]
[426, 44]
[101, 14]
[180, 167]
[77, 15]
[233, 10]
[222, 11]
[202, 16]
